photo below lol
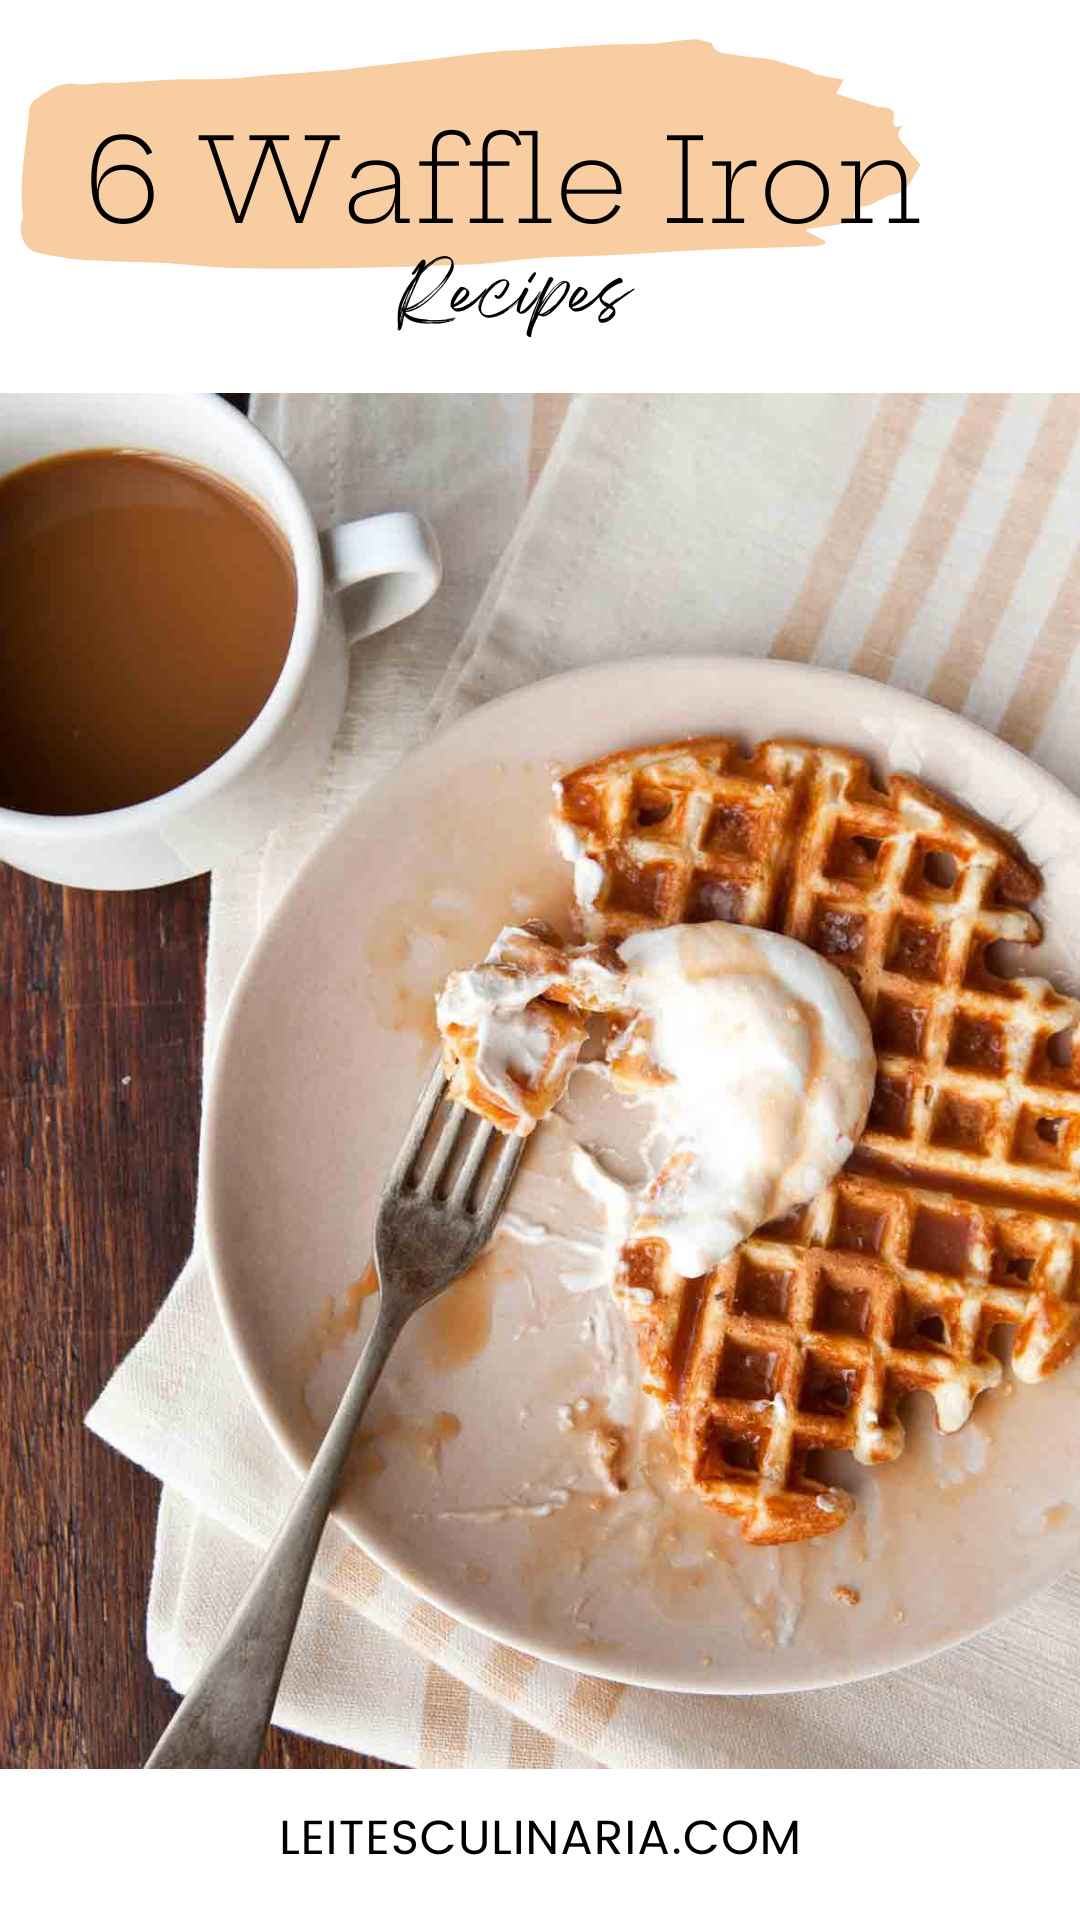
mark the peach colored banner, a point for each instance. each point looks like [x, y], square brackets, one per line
[618, 150]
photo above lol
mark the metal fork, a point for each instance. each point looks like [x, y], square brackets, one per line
[423, 1240]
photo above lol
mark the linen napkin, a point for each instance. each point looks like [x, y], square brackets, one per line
[930, 541]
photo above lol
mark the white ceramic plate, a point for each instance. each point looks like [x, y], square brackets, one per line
[478, 1483]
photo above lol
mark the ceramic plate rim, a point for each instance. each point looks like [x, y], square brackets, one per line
[709, 666]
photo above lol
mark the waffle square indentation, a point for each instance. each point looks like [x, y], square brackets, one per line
[1044, 1138]
[916, 949]
[761, 1291]
[658, 812]
[919, 1324]
[962, 1125]
[731, 1452]
[715, 897]
[940, 1242]
[1011, 1268]
[900, 1026]
[841, 1309]
[839, 934]
[890, 1109]
[857, 1228]
[731, 829]
[745, 1373]
[827, 1389]
[977, 1045]
[933, 872]
[854, 857]
[640, 889]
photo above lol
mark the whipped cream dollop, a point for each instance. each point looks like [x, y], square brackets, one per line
[769, 1067]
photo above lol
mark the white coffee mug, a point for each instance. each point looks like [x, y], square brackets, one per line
[228, 807]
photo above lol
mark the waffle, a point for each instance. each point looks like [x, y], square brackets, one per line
[963, 1215]
[806, 1339]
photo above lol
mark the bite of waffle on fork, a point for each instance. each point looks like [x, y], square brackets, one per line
[549, 1004]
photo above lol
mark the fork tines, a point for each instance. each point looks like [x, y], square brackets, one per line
[423, 1178]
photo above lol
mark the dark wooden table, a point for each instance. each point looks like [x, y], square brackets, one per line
[100, 1054]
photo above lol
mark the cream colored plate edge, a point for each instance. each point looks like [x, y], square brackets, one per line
[315, 1075]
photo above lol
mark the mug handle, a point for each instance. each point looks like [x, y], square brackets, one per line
[397, 552]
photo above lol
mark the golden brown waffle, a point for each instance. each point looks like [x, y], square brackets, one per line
[967, 1215]
[806, 1339]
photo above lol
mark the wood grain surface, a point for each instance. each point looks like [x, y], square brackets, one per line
[101, 1011]
[100, 1048]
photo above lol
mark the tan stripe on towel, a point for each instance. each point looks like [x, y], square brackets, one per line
[917, 568]
[1029, 503]
[1047, 664]
[506, 1675]
[855, 513]
[360, 1577]
[548, 414]
[589, 1711]
[444, 1728]
[529, 1747]
[444, 1731]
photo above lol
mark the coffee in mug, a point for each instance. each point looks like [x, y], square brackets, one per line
[146, 610]
[173, 647]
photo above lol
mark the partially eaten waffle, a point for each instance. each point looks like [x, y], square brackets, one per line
[960, 1211]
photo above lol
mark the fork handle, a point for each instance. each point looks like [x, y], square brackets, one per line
[222, 1720]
